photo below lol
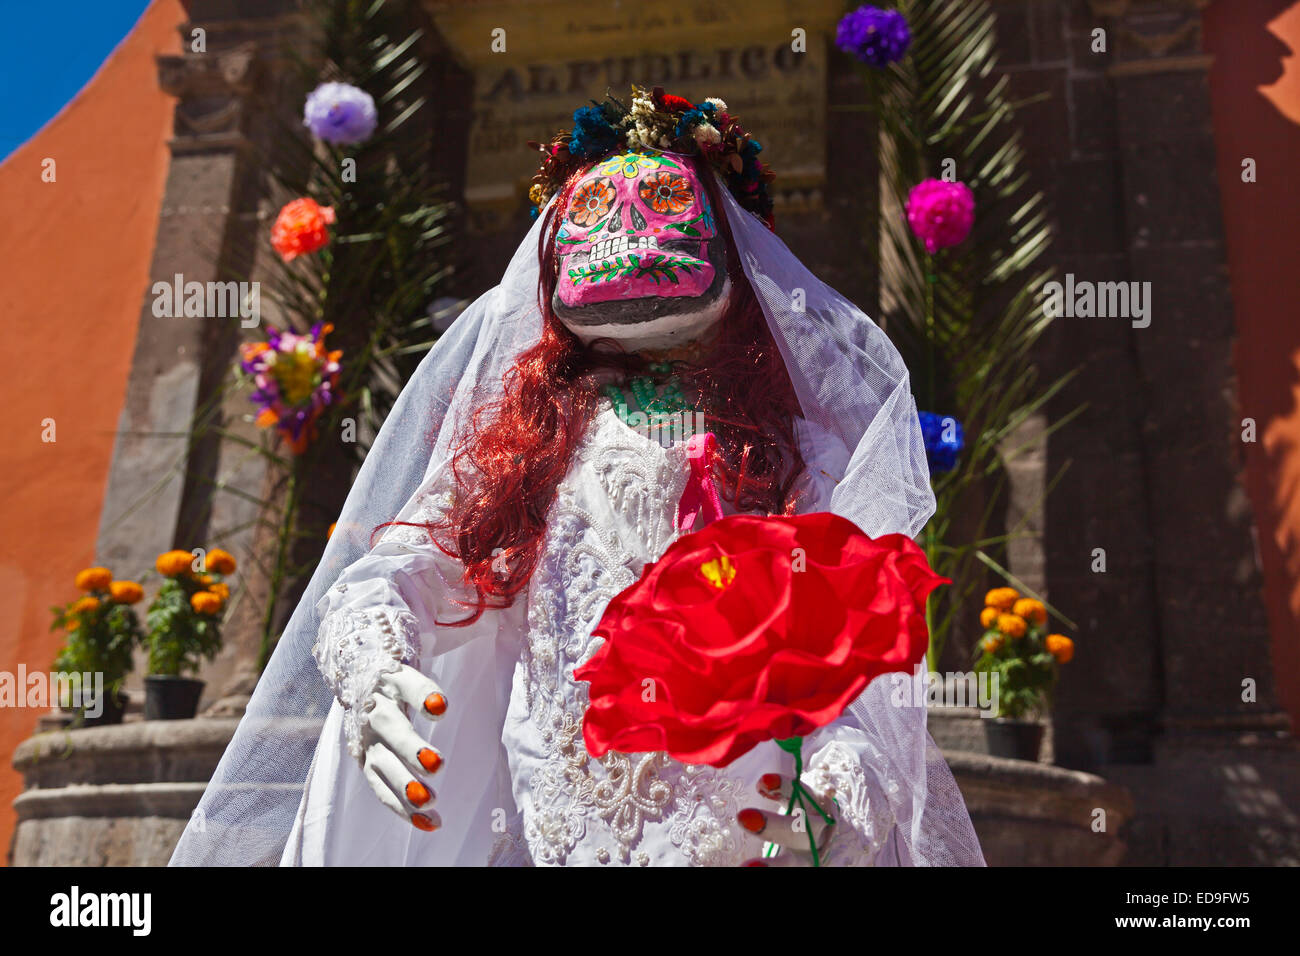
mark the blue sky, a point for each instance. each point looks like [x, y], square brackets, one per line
[48, 51]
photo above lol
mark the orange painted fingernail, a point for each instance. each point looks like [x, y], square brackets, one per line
[751, 820]
[417, 793]
[429, 759]
[423, 823]
[435, 704]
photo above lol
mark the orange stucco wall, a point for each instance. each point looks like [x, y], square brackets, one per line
[1255, 94]
[74, 257]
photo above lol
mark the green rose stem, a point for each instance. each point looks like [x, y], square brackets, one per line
[799, 794]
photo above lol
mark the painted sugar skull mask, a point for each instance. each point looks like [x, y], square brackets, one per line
[639, 244]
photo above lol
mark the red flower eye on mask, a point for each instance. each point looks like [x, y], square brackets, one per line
[753, 629]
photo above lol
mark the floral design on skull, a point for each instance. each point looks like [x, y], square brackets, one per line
[638, 240]
[591, 202]
[666, 192]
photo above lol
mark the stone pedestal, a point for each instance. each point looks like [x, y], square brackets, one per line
[113, 796]
[1033, 814]
[120, 796]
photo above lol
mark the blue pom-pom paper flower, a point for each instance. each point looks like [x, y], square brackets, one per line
[340, 113]
[944, 440]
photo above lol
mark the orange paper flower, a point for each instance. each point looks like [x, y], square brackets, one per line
[300, 228]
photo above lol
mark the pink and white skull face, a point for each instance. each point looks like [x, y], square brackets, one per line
[638, 242]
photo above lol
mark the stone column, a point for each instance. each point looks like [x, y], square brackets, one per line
[1224, 769]
[159, 492]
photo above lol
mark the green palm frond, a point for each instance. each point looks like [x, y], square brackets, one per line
[967, 319]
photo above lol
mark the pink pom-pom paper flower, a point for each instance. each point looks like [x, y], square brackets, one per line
[940, 213]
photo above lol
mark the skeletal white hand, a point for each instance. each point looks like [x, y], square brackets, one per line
[399, 765]
[790, 832]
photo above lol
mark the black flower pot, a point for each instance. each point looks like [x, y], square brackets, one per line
[1016, 739]
[171, 698]
[114, 709]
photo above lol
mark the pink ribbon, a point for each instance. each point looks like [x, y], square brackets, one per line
[700, 503]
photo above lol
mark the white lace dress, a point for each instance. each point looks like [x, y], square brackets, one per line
[614, 512]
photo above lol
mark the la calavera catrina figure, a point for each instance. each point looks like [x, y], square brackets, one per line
[421, 707]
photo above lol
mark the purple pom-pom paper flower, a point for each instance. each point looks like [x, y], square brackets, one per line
[940, 213]
[340, 113]
[875, 36]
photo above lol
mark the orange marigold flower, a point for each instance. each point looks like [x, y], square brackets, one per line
[1060, 647]
[126, 592]
[221, 590]
[989, 617]
[85, 605]
[205, 602]
[172, 564]
[300, 228]
[1002, 598]
[223, 562]
[1012, 625]
[992, 644]
[94, 579]
[1032, 611]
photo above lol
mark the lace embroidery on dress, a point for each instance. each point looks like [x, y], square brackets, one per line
[864, 814]
[586, 563]
[355, 649]
[511, 849]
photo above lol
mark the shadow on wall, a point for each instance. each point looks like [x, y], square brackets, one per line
[1255, 100]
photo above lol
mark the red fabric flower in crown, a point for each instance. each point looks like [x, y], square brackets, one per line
[753, 629]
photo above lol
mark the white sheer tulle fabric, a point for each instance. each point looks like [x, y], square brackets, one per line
[517, 786]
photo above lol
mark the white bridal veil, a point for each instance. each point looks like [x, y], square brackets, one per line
[849, 379]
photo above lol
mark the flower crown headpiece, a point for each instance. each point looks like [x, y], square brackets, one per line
[658, 121]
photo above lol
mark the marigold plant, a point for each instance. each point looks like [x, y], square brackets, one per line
[102, 630]
[184, 620]
[1017, 648]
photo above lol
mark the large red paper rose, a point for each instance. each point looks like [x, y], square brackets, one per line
[753, 629]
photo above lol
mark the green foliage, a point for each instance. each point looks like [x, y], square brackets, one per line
[386, 259]
[1026, 672]
[100, 640]
[180, 638]
[966, 319]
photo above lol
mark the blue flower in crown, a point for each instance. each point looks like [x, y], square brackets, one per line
[944, 440]
[592, 132]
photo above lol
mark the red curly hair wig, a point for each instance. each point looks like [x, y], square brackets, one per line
[519, 448]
